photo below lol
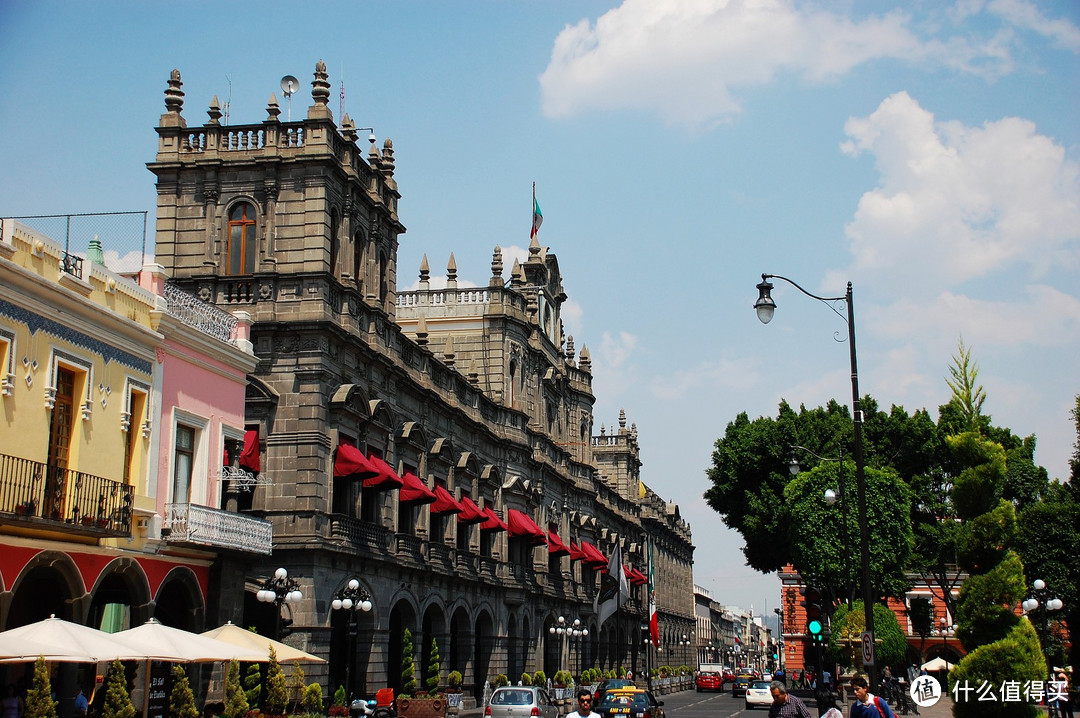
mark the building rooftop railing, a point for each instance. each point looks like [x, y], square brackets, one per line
[196, 313]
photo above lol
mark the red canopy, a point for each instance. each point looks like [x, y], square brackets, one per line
[414, 490]
[592, 554]
[249, 457]
[470, 512]
[557, 547]
[350, 461]
[634, 576]
[519, 524]
[576, 554]
[444, 503]
[493, 523]
[386, 479]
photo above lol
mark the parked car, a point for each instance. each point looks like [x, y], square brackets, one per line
[630, 703]
[521, 702]
[757, 694]
[709, 681]
[742, 682]
[606, 685]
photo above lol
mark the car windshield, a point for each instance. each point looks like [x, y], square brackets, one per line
[761, 685]
[622, 700]
[709, 674]
[512, 698]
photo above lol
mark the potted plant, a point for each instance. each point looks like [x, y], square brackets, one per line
[561, 681]
[526, 679]
[539, 679]
[407, 705]
[453, 689]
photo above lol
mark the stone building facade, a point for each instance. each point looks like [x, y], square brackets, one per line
[473, 394]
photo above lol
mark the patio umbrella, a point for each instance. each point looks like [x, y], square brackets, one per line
[259, 645]
[60, 640]
[938, 664]
[159, 642]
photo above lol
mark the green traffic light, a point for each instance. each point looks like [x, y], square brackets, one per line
[814, 627]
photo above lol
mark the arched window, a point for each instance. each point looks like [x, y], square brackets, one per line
[240, 252]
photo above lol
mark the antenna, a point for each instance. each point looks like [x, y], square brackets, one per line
[228, 102]
[289, 85]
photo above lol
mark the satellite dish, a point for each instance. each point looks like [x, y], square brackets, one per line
[289, 85]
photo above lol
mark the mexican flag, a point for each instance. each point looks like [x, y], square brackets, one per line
[538, 216]
[654, 617]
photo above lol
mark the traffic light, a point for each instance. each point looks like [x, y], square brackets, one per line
[812, 604]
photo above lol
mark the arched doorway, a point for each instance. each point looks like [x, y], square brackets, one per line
[484, 647]
[48, 585]
[121, 597]
[402, 616]
[460, 646]
[432, 628]
[180, 602]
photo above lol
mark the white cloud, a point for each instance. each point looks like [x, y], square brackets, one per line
[686, 61]
[1026, 15]
[613, 371]
[726, 373]
[956, 202]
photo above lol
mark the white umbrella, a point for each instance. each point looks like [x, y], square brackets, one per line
[59, 640]
[259, 645]
[938, 664]
[159, 642]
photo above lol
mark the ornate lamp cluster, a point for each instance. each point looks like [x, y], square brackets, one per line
[280, 589]
[570, 629]
[352, 598]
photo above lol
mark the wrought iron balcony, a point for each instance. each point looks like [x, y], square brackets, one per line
[204, 526]
[40, 495]
[199, 314]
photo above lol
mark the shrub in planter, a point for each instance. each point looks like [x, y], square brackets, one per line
[453, 680]
[563, 678]
[312, 699]
[434, 667]
[501, 680]
[181, 699]
[539, 678]
[39, 702]
[408, 664]
[277, 694]
[236, 705]
[339, 697]
[117, 699]
[526, 679]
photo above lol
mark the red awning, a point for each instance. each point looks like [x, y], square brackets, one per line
[249, 457]
[444, 503]
[386, 480]
[557, 547]
[576, 554]
[634, 576]
[470, 512]
[350, 461]
[493, 523]
[520, 525]
[592, 554]
[414, 490]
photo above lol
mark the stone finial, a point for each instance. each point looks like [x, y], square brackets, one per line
[95, 253]
[214, 112]
[374, 156]
[534, 249]
[622, 420]
[174, 96]
[496, 267]
[517, 276]
[448, 351]
[421, 332]
[348, 129]
[425, 273]
[585, 360]
[320, 87]
[570, 349]
[272, 108]
[451, 271]
[603, 430]
[388, 155]
[474, 376]
[633, 430]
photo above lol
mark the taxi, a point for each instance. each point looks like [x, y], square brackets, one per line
[630, 703]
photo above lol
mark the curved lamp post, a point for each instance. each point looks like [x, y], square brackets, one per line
[1042, 602]
[351, 600]
[279, 589]
[765, 308]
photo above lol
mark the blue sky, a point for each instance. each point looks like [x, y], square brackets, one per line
[929, 152]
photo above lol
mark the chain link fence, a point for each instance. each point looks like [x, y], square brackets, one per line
[122, 233]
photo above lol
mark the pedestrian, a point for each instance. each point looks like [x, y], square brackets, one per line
[826, 704]
[1061, 690]
[81, 704]
[866, 704]
[11, 706]
[584, 705]
[784, 705]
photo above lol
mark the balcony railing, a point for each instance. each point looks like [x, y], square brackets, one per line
[360, 534]
[199, 314]
[194, 524]
[36, 493]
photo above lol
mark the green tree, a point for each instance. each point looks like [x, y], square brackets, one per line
[339, 696]
[408, 663]
[117, 699]
[39, 702]
[822, 543]
[236, 704]
[848, 625]
[277, 693]
[181, 699]
[312, 698]
[253, 685]
[296, 685]
[968, 394]
[434, 667]
[1013, 658]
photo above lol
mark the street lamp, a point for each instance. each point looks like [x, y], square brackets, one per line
[946, 630]
[568, 630]
[831, 498]
[780, 628]
[765, 308]
[351, 599]
[1041, 601]
[279, 589]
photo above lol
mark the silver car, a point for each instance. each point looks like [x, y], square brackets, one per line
[521, 702]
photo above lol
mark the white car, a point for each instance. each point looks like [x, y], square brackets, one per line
[757, 694]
